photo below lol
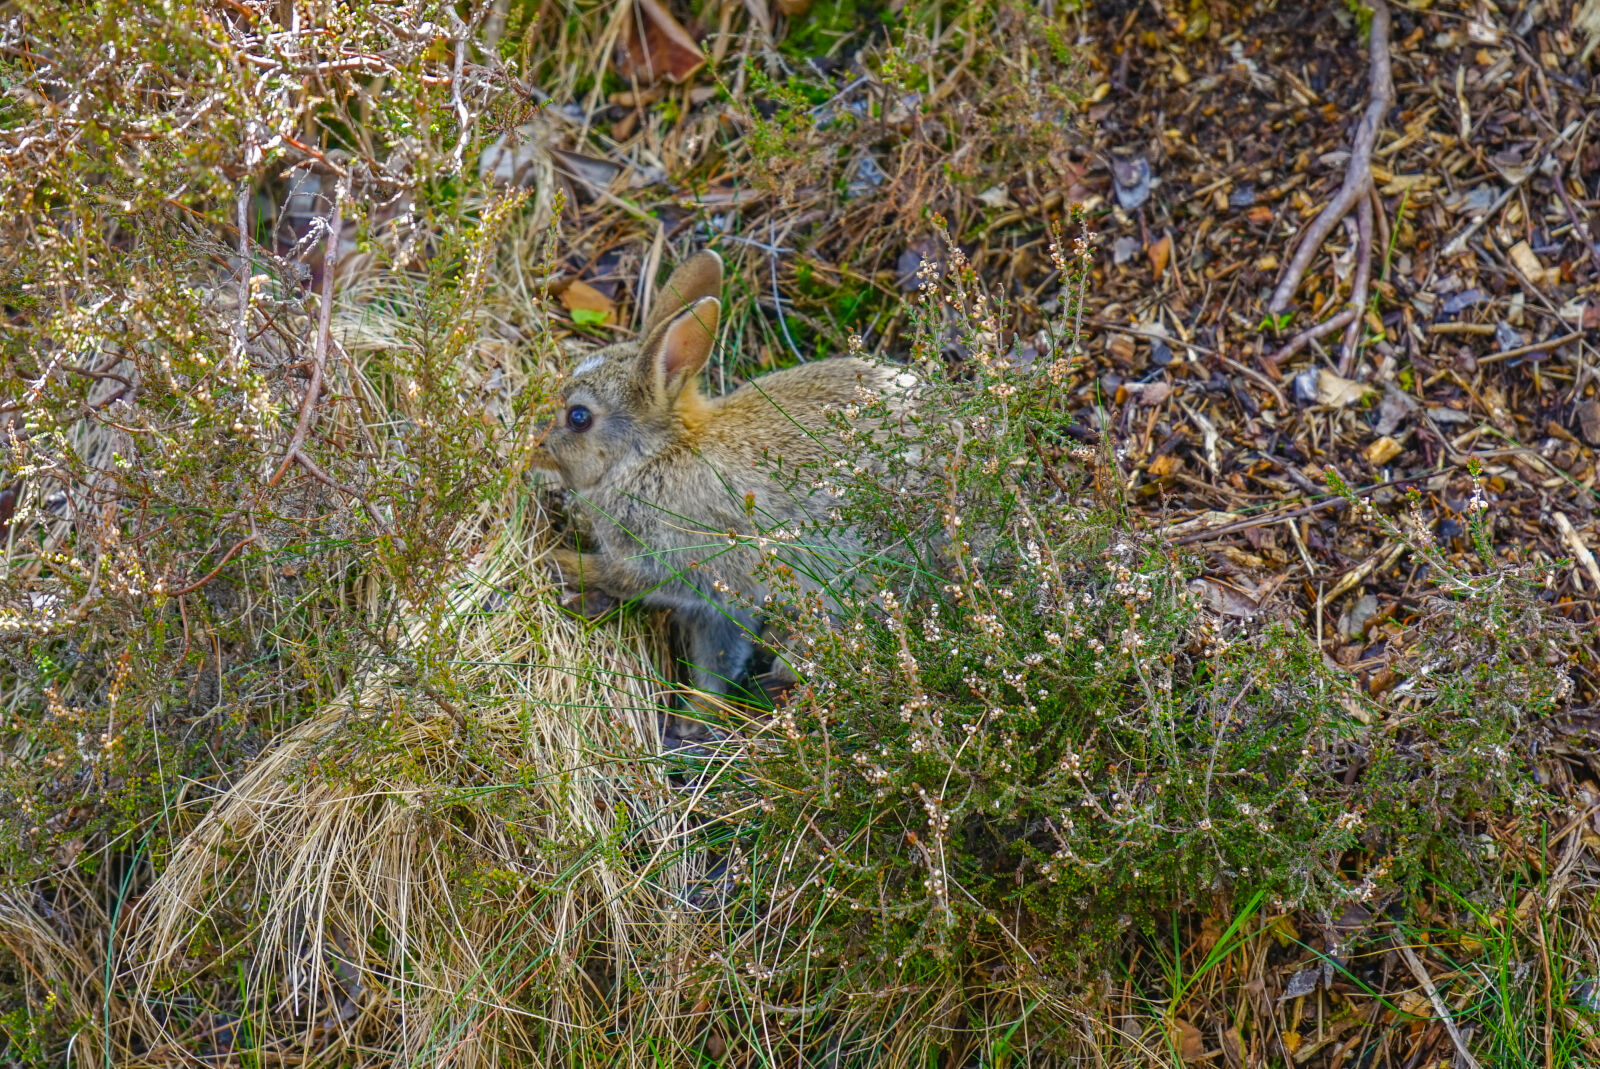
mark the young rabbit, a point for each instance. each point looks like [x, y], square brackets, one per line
[677, 484]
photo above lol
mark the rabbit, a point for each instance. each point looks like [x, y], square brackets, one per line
[677, 485]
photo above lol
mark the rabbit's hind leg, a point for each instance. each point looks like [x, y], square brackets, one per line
[720, 644]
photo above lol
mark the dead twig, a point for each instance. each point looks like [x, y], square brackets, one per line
[1049, 469]
[319, 351]
[1578, 226]
[212, 574]
[777, 300]
[1356, 192]
[1458, 243]
[1358, 294]
[1581, 554]
[1414, 963]
[243, 206]
[1288, 514]
[1536, 347]
[1134, 332]
[102, 372]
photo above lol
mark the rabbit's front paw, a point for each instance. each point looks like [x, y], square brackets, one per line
[588, 572]
[589, 604]
[580, 574]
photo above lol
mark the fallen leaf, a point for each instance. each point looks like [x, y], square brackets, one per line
[1587, 420]
[1303, 982]
[1446, 414]
[793, 8]
[1164, 466]
[1121, 348]
[1131, 177]
[1408, 183]
[1396, 407]
[1416, 1004]
[627, 98]
[715, 1045]
[1336, 391]
[656, 47]
[1188, 1039]
[1529, 264]
[1382, 450]
[994, 197]
[1225, 600]
[1460, 302]
[1150, 393]
[515, 156]
[1233, 1048]
[1353, 622]
[579, 297]
[592, 171]
[1159, 253]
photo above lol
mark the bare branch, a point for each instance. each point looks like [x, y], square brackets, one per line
[319, 352]
[1356, 193]
[212, 574]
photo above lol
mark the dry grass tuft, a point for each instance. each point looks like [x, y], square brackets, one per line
[403, 881]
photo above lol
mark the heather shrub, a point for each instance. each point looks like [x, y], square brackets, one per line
[1029, 735]
[307, 761]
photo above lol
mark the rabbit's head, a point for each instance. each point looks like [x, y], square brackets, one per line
[635, 399]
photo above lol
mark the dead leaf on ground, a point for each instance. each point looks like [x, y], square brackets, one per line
[579, 297]
[1225, 600]
[1529, 264]
[1587, 418]
[596, 173]
[1149, 393]
[1164, 466]
[1408, 183]
[1188, 1039]
[1233, 1048]
[1382, 450]
[516, 156]
[1335, 391]
[1303, 982]
[656, 47]
[1159, 254]
[1131, 179]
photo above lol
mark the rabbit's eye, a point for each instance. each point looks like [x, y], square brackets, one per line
[579, 418]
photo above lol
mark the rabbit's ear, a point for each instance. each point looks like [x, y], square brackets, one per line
[698, 276]
[674, 352]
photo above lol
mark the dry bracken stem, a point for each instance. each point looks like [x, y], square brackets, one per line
[1044, 462]
[212, 574]
[1306, 337]
[1358, 294]
[244, 265]
[319, 353]
[1356, 188]
[1414, 963]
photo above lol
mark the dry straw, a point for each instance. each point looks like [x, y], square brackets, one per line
[340, 864]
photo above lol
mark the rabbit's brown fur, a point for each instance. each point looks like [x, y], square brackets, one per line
[678, 486]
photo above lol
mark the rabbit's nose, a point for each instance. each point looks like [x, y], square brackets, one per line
[542, 459]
